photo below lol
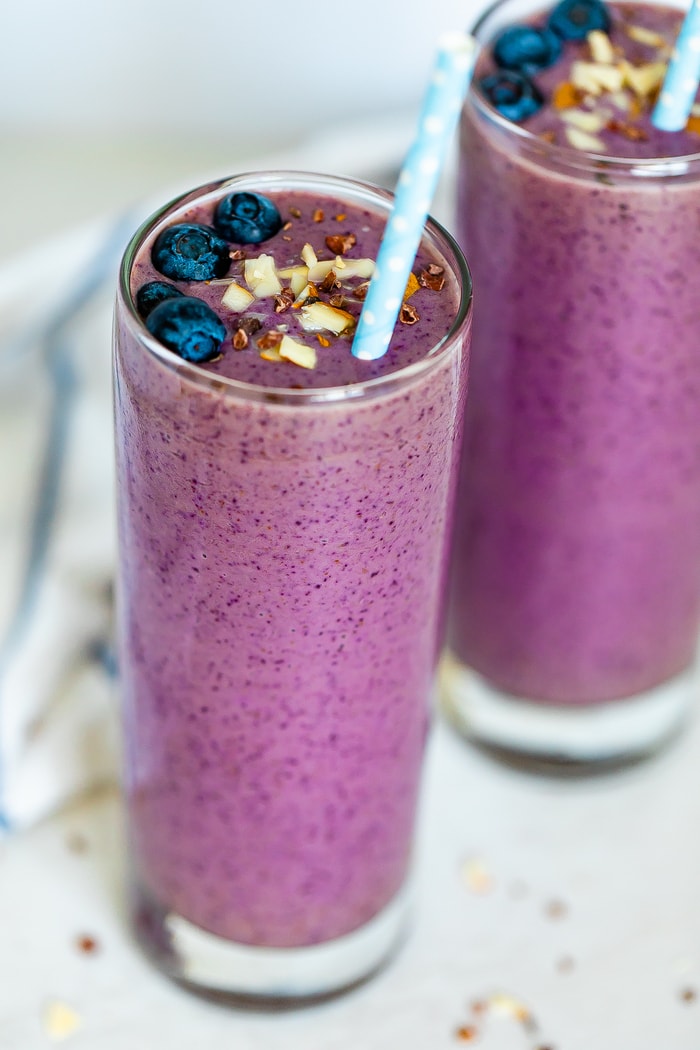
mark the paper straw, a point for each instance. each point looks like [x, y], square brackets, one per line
[414, 194]
[682, 76]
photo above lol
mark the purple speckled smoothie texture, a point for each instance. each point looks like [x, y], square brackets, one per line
[577, 560]
[336, 365]
[282, 568]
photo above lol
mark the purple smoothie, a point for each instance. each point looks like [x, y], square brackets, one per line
[283, 553]
[577, 560]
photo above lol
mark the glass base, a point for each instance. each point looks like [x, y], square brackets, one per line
[247, 975]
[563, 738]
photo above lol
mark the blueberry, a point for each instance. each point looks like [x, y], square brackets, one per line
[188, 251]
[526, 49]
[575, 19]
[247, 218]
[188, 326]
[149, 295]
[514, 95]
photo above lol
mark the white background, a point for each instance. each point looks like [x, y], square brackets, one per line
[103, 103]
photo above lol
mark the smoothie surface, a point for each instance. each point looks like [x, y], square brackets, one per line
[599, 92]
[306, 284]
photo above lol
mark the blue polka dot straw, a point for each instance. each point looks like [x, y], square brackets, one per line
[414, 194]
[681, 82]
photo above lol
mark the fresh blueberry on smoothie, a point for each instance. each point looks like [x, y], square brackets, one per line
[526, 49]
[190, 252]
[187, 326]
[575, 19]
[247, 218]
[153, 293]
[512, 94]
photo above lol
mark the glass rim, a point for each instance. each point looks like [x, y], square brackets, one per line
[566, 156]
[359, 192]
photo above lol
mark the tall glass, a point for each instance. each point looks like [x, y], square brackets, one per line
[576, 573]
[282, 564]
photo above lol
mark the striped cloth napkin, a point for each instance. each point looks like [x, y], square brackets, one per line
[57, 539]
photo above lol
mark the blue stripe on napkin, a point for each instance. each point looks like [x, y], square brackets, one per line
[54, 340]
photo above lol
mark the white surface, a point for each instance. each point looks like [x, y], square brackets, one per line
[619, 854]
[51, 182]
[234, 70]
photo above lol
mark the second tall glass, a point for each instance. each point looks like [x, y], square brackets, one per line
[576, 577]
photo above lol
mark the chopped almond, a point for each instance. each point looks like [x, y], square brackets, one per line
[322, 316]
[344, 268]
[341, 243]
[261, 277]
[237, 298]
[309, 291]
[309, 255]
[632, 132]
[272, 353]
[584, 141]
[644, 79]
[596, 77]
[330, 282]
[586, 120]
[284, 300]
[270, 340]
[601, 47]
[646, 36]
[429, 279]
[298, 353]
